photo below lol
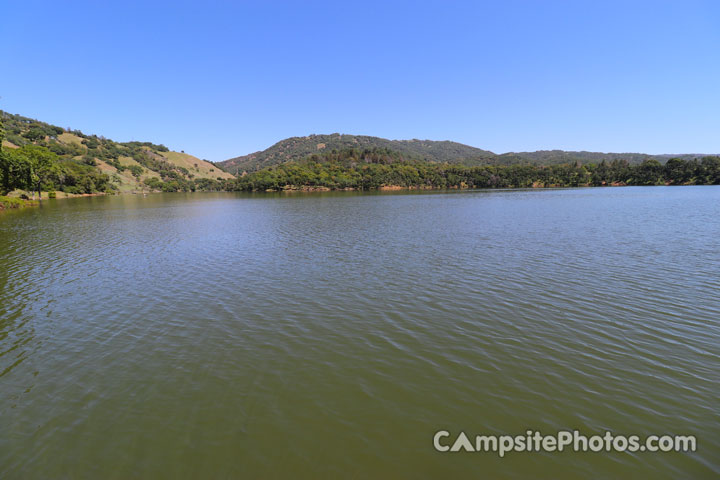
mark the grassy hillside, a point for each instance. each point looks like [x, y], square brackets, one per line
[128, 166]
[297, 148]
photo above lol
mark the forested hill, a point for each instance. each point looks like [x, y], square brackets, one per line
[385, 169]
[36, 154]
[296, 148]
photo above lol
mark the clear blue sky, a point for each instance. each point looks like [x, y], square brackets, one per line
[221, 79]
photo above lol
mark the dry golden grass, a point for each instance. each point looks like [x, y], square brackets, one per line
[201, 171]
[69, 138]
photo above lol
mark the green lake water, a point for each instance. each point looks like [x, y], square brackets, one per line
[331, 335]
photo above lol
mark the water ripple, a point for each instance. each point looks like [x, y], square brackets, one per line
[331, 335]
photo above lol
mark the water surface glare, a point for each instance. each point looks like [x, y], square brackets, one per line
[331, 335]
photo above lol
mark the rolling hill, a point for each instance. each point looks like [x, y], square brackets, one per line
[296, 148]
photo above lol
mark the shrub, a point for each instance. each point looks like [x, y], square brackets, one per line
[11, 202]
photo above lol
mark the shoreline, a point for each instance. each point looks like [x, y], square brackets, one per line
[14, 201]
[534, 186]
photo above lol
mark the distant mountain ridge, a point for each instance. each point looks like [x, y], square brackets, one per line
[296, 148]
[552, 157]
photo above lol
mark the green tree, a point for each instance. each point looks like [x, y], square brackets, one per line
[14, 168]
[649, 172]
[34, 134]
[15, 171]
[679, 171]
[3, 174]
[136, 170]
[40, 165]
[710, 170]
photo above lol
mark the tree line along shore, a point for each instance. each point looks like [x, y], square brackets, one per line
[368, 170]
[35, 169]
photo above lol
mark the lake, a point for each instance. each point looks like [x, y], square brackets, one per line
[331, 335]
